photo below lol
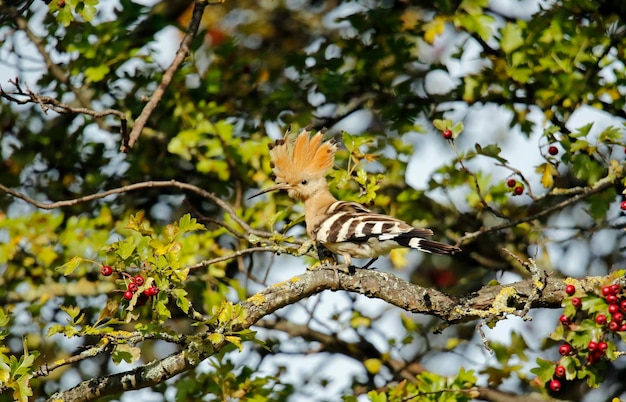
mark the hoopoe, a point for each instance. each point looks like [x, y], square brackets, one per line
[300, 164]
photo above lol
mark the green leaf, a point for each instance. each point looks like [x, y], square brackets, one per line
[97, 74]
[162, 310]
[65, 16]
[511, 37]
[491, 150]
[23, 391]
[377, 397]
[442, 125]
[71, 265]
[127, 353]
[181, 299]
[126, 248]
[188, 224]
[88, 11]
[544, 370]
[72, 311]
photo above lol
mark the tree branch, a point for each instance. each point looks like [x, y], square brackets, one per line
[47, 102]
[616, 173]
[138, 186]
[492, 301]
[183, 51]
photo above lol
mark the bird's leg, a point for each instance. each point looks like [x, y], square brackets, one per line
[325, 256]
[369, 263]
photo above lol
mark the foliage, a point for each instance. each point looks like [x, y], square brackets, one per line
[508, 127]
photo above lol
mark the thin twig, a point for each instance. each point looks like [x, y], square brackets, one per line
[236, 254]
[616, 173]
[478, 190]
[47, 102]
[53, 67]
[138, 186]
[103, 346]
[538, 277]
[183, 50]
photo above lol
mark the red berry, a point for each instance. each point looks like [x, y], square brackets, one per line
[511, 183]
[618, 317]
[142, 299]
[565, 320]
[576, 302]
[518, 190]
[592, 346]
[611, 299]
[565, 349]
[555, 385]
[447, 134]
[133, 287]
[152, 291]
[613, 308]
[553, 150]
[570, 289]
[606, 290]
[603, 346]
[559, 371]
[138, 280]
[106, 270]
[622, 328]
[601, 319]
[614, 326]
[128, 295]
[622, 304]
[623, 204]
[596, 355]
[615, 288]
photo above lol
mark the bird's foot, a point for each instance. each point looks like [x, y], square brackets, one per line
[369, 263]
[332, 265]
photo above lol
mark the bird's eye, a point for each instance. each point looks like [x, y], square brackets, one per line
[304, 182]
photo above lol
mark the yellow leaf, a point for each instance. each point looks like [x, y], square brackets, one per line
[398, 257]
[235, 340]
[216, 338]
[372, 365]
[410, 18]
[452, 343]
[432, 29]
[547, 171]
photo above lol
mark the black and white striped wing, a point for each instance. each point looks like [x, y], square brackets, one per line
[353, 223]
[358, 227]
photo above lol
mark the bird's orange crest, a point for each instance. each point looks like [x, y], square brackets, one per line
[295, 158]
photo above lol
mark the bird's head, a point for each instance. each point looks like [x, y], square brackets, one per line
[300, 163]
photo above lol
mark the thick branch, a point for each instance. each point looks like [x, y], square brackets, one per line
[487, 302]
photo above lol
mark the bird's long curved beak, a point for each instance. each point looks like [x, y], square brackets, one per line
[281, 186]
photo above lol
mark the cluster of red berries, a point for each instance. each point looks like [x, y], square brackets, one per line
[595, 350]
[518, 189]
[133, 286]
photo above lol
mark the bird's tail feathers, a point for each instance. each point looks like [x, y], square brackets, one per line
[428, 246]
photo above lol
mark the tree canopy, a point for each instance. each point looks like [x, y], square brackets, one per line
[134, 265]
